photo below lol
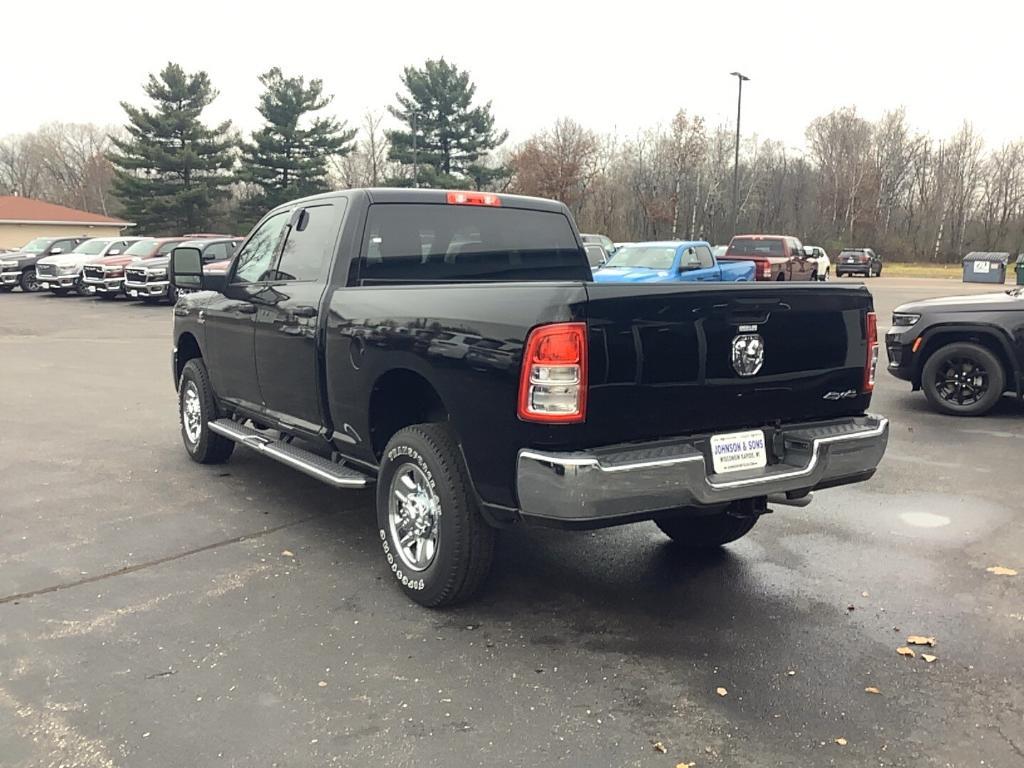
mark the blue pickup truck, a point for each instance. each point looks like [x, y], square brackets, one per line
[671, 262]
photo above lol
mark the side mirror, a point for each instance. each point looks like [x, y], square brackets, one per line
[808, 251]
[56, 251]
[186, 268]
[114, 252]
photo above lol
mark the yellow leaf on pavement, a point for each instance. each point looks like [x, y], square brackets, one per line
[287, 553]
[928, 657]
[685, 765]
[871, 689]
[1000, 570]
[920, 640]
[904, 651]
[721, 691]
[841, 741]
[659, 747]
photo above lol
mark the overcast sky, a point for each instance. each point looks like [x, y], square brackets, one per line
[612, 66]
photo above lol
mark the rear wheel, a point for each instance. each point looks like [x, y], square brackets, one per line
[963, 379]
[28, 281]
[781, 278]
[705, 531]
[81, 288]
[436, 544]
[196, 408]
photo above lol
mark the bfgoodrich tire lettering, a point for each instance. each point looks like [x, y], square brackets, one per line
[196, 407]
[464, 548]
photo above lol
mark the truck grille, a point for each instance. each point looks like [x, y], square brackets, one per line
[136, 275]
[46, 270]
[93, 271]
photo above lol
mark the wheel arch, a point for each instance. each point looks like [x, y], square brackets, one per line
[990, 337]
[401, 397]
[186, 348]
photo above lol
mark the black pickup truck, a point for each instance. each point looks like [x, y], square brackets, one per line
[453, 349]
[964, 352]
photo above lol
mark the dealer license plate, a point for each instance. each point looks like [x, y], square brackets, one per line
[738, 450]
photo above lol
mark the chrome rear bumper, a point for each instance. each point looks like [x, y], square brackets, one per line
[610, 485]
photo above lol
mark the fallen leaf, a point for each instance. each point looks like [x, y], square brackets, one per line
[721, 691]
[659, 747]
[287, 553]
[864, 594]
[904, 651]
[920, 640]
[1000, 570]
[928, 657]
[841, 741]
[322, 684]
[685, 765]
[871, 689]
[791, 672]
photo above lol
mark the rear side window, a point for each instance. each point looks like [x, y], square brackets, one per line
[310, 242]
[412, 242]
[762, 246]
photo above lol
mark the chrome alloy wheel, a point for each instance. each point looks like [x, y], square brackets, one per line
[413, 513]
[191, 413]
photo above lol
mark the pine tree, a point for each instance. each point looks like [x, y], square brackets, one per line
[452, 137]
[284, 159]
[171, 169]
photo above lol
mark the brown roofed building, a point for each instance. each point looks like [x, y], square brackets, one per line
[23, 219]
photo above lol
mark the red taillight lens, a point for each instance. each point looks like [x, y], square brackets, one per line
[766, 269]
[553, 381]
[871, 363]
[474, 198]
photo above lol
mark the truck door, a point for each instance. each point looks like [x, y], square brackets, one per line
[288, 362]
[229, 318]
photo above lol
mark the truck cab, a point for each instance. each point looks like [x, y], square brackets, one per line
[672, 261]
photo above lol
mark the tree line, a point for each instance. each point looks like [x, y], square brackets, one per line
[859, 182]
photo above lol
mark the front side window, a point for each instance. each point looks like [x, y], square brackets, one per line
[92, 247]
[141, 247]
[167, 247]
[257, 256]
[310, 242]
[216, 252]
[36, 246]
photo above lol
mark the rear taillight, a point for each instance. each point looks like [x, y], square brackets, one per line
[474, 198]
[553, 381]
[766, 269]
[871, 363]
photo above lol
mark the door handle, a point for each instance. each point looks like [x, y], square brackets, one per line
[246, 309]
[303, 310]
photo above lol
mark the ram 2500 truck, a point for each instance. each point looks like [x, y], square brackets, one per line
[694, 406]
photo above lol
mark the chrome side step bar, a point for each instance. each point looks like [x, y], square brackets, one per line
[325, 470]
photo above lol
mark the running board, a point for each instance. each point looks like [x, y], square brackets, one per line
[325, 470]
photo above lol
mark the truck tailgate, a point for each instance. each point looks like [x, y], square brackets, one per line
[662, 357]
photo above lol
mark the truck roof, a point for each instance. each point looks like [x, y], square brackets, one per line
[435, 196]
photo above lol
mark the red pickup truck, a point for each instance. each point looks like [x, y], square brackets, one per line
[775, 257]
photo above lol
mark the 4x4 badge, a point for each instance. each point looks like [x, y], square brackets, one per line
[747, 353]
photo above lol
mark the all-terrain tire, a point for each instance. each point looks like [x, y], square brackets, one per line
[194, 391]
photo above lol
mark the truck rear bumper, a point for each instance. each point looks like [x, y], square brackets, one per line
[618, 484]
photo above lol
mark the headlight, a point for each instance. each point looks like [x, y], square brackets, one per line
[8, 264]
[904, 319]
[72, 270]
[158, 272]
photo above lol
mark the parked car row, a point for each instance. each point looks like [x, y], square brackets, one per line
[773, 257]
[106, 267]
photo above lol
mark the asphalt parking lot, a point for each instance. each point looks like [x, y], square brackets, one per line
[154, 612]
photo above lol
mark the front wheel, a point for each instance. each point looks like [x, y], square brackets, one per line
[436, 544]
[963, 379]
[196, 408]
[705, 531]
[28, 282]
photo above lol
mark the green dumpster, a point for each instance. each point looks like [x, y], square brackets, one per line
[1020, 269]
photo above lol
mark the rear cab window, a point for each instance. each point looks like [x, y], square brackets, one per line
[756, 246]
[422, 242]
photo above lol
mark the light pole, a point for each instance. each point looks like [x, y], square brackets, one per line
[415, 157]
[740, 78]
